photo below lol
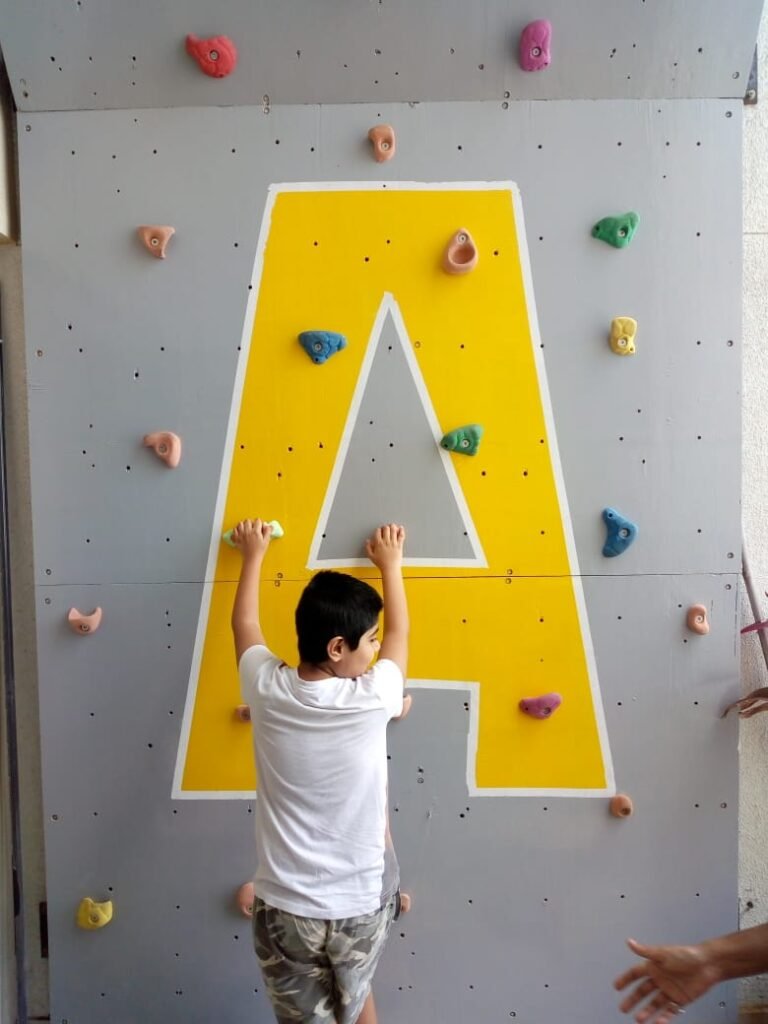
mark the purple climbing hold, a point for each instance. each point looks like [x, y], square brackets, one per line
[536, 46]
[541, 707]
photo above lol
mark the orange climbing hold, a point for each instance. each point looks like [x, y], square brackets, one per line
[696, 619]
[622, 806]
[382, 137]
[461, 254]
[216, 57]
[166, 446]
[82, 624]
[156, 238]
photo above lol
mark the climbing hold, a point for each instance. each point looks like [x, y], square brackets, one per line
[622, 339]
[463, 440]
[407, 701]
[617, 231]
[696, 619]
[92, 915]
[622, 806]
[321, 345]
[166, 446]
[541, 707]
[156, 238]
[536, 46]
[216, 56]
[244, 899]
[406, 902]
[620, 533]
[461, 254]
[243, 713]
[277, 533]
[382, 137]
[84, 624]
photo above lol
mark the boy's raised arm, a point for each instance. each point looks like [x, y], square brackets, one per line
[251, 537]
[385, 550]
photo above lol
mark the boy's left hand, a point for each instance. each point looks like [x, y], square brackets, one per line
[251, 537]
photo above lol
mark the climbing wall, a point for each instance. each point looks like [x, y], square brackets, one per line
[524, 885]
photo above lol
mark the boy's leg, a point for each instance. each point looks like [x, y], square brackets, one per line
[294, 964]
[354, 948]
[368, 1015]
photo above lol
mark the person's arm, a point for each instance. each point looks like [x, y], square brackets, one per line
[385, 550]
[671, 977]
[251, 537]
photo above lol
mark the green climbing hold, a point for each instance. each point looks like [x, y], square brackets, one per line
[617, 231]
[463, 440]
[277, 532]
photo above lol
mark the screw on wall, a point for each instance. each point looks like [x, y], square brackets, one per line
[750, 96]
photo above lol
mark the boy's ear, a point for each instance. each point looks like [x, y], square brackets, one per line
[335, 648]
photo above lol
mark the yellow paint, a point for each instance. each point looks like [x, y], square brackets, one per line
[329, 258]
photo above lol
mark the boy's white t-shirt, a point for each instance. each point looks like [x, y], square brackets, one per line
[321, 812]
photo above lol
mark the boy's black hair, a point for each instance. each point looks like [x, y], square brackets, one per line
[334, 604]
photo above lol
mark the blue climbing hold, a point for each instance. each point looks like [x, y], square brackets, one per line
[321, 345]
[620, 533]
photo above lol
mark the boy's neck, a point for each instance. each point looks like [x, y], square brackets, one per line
[310, 673]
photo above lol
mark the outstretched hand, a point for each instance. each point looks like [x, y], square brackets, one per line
[385, 547]
[251, 537]
[669, 978]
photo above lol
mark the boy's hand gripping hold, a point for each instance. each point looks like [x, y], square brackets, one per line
[385, 550]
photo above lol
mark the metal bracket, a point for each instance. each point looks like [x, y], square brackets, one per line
[750, 96]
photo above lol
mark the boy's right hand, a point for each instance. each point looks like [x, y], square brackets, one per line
[251, 537]
[385, 547]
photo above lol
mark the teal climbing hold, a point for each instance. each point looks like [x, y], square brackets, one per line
[277, 533]
[463, 440]
[620, 533]
[321, 345]
[617, 231]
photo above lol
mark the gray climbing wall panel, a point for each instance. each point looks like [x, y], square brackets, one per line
[112, 54]
[521, 904]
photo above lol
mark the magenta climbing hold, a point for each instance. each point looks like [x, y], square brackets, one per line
[83, 624]
[166, 446]
[536, 45]
[541, 707]
[216, 57]
[382, 138]
[460, 254]
[156, 238]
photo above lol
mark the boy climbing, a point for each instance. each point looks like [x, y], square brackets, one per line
[326, 885]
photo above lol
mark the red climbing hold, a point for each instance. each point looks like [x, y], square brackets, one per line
[216, 56]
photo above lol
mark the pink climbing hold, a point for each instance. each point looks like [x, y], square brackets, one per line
[83, 624]
[216, 57]
[541, 707]
[461, 255]
[156, 238]
[244, 899]
[166, 446]
[536, 46]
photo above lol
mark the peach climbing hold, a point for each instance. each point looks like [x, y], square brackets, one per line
[244, 899]
[84, 624]
[536, 45]
[216, 57]
[622, 806]
[92, 915]
[696, 619]
[541, 707]
[243, 713]
[461, 254]
[156, 238]
[382, 138]
[407, 702]
[166, 446]
[622, 337]
[406, 902]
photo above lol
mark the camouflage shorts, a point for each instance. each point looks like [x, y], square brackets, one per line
[315, 971]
